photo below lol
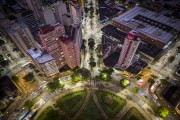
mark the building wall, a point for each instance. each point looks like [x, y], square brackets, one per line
[69, 50]
[51, 43]
[22, 38]
[128, 50]
[50, 68]
[48, 15]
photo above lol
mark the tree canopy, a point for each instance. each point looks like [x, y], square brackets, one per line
[162, 111]
[164, 81]
[55, 84]
[171, 59]
[106, 74]
[29, 77]
[124, 82]
[2, 42]
[92, 64]
[15, 78]
[80, 74]
[91, 44]
[28, 104]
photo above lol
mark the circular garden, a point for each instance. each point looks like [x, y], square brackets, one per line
[88, 105]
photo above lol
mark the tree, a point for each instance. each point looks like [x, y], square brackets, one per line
[80, 74]
[28, 104]
[55, 84]
[4, 63]
[164, 81]
[32, 66]
[162, 111]
[99, 48]
[15, 78]
[124, 82]
[91, 59]
[91, 45]
[29, 77]
[135, 89]
[151, 81]
[92, 64]
[2, 42]
[106, 74]
[171, 59]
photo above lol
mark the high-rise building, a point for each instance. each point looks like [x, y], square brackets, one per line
[70, 52]
[21, 36]
[76, 13]
[129, 48]
[30, 20]
[50, 38]
[48, 12]
[44, 61]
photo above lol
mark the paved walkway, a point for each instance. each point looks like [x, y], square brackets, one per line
[99, 106]
[123, 111]
[83, 105]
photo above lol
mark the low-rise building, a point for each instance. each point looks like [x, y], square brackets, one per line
[153, 28]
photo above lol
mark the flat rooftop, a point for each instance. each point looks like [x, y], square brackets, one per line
[136, 67]
[150, 23]
[34, 53]
[44, 58]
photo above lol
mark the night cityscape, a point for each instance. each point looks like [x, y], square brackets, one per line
[89, 59]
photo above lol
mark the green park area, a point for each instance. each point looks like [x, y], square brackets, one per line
[71, 103]
[50, 114]
[111, 103]
[91, 111]
[133, 114]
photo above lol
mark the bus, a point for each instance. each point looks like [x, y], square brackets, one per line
[24, 115]
[31, 115]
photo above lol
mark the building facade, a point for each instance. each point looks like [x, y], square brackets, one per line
[70, 52]
[48, 65]
[50, 38]
[45, 62]
[30, 20]
[21, 36]
[129, 48]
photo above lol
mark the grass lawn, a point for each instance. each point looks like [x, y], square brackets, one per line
[112, 108]
[91, 111]
[133, 114]
[71, 102]
[50, 114]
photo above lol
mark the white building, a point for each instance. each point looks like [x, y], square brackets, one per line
[48, 65]
[44, 61]
[129, 48]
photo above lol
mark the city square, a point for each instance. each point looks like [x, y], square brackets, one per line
[89, 60]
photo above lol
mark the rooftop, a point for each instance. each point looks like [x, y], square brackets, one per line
[136, 67]
[14, 26]
[34, 53]
[46, 29]
[150, 23]
[44, 58]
